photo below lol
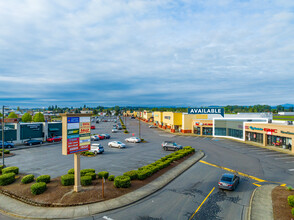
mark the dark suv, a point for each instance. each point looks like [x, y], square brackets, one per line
[170, 145]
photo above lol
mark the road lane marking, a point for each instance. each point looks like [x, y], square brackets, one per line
[289, 162]
[233, 171]
[107, 218]
[275, 155]
[255, 184]
[201, 204]
[291, 169]
[269, 153]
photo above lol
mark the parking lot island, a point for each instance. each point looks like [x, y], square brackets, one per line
[15, 208]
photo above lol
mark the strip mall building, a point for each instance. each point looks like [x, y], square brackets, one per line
[249, 127]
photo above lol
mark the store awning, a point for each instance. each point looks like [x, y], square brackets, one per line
[53, 129]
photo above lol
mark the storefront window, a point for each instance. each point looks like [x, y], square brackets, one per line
[255, 137]
[197, 130]
[277, 141]
[207, 131]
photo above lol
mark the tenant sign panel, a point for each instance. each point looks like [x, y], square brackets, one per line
[76, 133]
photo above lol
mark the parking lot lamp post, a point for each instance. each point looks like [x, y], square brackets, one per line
[139, 127]
[3, 135]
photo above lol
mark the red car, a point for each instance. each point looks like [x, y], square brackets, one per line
[101, 137]
[54, 139]
[92, 126]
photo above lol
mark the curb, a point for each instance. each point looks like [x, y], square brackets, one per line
[33, 146]
[250, 204]
[33, 212]
[261, 211]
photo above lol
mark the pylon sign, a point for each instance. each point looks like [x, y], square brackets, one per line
[76, 133]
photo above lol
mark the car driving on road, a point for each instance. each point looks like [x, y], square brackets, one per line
[170, 145]
[133, 140]
[96, 149]
[228, 181]
[117, 144]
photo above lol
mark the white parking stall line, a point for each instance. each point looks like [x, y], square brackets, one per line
[270, 153]
[290, 170]
[258, 150]
[290, 161]
[284, 158]
[275, 155]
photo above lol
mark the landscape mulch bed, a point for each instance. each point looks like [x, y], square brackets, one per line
[281, 208]
[58, 195]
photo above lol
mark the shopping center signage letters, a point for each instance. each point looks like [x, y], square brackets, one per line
[207, 111]
[287, 132]
[77, 132]
[264, 129]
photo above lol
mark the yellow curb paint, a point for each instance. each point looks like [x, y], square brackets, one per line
[233, 171]
[255, 184]
[201, 204]
[284, 184]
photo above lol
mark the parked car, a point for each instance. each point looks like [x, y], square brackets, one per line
[152, 126]
[170, 145]
[117, 144]
[97, 148]
[101, 136]
[228, 181]
[33, 142]
[7, 144]
[97, 121]
[133, 140]
[54, 139]
[95, 138]
[114, 130]
[107, 136]
[132, 117]
[93, 127]
[119, 127]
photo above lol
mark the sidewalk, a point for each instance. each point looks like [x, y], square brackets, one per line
[17, 209]
[261, 206]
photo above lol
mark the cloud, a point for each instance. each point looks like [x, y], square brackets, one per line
[146, 52]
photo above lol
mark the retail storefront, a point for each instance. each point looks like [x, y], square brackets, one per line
[203, 127]
[172, 121]
[271, 134]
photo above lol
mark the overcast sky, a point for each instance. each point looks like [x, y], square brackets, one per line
[157, 53]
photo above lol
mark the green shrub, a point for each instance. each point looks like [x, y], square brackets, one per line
[84, 171]
[86, 180]
[132, 174]
[38, 188]
[28, 179]
[111, 177]
[10, 170]
[71, 171]
[1, 167]
[292, 211]
[122, 182]
[7, 178]
[143, 174]
[68, 180]
[102, 174]
[289, 188]
[92, 175]
[5, 151]
[126, 132]
[43, 178]
[291, 200]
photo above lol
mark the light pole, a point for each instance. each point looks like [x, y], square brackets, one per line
[139, 127]
[3, 135]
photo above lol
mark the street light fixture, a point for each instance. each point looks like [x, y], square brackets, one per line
[3, 135]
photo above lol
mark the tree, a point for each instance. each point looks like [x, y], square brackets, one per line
[12, 115]
[117, 110]
[26, 117]
[39, 117]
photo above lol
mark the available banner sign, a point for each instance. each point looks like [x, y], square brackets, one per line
[77, 131]
[207, 111]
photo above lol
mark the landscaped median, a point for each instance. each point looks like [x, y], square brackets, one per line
[118, 191]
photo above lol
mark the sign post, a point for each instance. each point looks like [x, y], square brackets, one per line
[76, 138]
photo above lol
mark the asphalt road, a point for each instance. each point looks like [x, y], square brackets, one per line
[182, 197]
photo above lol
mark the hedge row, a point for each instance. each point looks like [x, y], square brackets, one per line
[43, 178]
[146, 171]
[5, 151]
